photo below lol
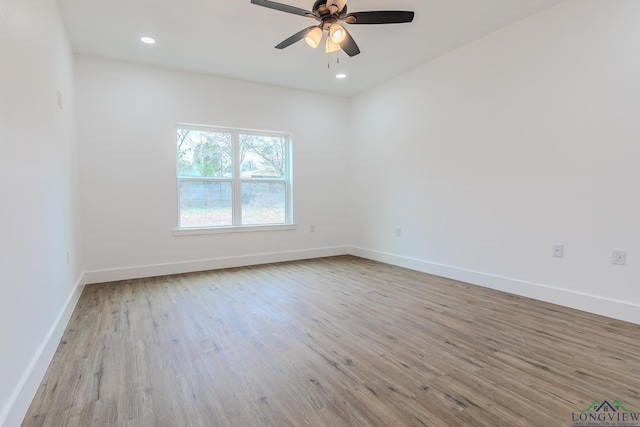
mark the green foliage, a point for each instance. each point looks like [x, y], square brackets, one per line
[204, 154]
[265, 153]
[209, 154]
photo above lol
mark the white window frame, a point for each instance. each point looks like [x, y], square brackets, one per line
[236, 182]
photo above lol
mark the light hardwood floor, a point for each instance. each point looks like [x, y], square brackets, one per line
[329, 342]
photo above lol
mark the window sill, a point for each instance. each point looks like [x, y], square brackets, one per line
[195, 231]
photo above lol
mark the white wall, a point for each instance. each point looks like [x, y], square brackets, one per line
[127, 116]
[489, 155]
[39, 214]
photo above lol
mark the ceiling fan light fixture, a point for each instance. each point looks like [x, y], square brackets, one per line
[337, 33]
[329, 13]
[313, 37]
[331, 46]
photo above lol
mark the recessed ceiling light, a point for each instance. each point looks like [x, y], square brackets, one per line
[341, 76]
[148, 40]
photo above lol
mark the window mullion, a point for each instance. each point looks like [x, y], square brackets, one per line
[237, 185]
[288, 182]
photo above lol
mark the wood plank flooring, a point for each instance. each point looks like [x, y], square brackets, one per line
[329, 342]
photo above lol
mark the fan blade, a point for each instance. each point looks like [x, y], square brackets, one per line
[349, 45]
[295, 38]
[283, 7]
[380, 17]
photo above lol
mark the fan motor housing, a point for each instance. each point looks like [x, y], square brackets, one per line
[321, 10]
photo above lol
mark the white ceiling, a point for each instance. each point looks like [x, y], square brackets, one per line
[234, 38]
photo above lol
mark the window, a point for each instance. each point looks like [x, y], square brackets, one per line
[233, 177]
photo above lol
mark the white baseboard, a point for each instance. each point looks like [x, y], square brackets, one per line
[16, 408]
[138, 272]
[590, 303]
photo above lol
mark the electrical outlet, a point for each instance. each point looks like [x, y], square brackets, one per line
[558, 251]
[618, 257]
[398, 232]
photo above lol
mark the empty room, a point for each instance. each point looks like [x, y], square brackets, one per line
[329, 213]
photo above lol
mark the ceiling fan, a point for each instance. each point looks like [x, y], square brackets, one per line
[330, 14]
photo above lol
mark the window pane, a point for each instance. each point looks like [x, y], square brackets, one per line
[205, 204]
[263, 203]
[262, 157]
[202, 153]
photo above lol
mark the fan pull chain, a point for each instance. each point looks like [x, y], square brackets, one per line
[329, 58]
